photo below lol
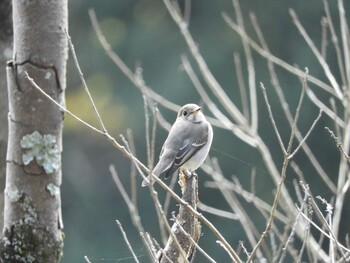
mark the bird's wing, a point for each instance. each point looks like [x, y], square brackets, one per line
[193, 141]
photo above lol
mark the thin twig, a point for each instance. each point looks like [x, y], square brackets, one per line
[298, 110]
[338, 143]
[293, 229]
[61, 107]
[237, 130]
[343, 176]
[133, 174]
[245, 251]
[82, 79]
[261, 51]
[126, 70]
[132, 208]
[317, 54]
[324, 39]
[318, 211]
[231, 199]
[127, 241]
[257, 202]
[161, 253]
[224, 247]
[334, 109]
[187, 12]
[332, 115]
[301, 251]
[335, 41]
[213, 84]
[241, 85]
[148, 140]
[272, 119]
[323, 232]
[127, 147]
[345, 39]
[307, 135]
[272, 212]
[153, 132]
[148, 243]
[217, 212]
[251, 71]
[285, 106]
[283, 173]
[87, 259]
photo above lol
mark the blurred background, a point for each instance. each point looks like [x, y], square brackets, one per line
[142, 33]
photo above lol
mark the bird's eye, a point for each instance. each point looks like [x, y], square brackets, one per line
[184, 113]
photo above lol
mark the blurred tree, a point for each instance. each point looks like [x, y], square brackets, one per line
[5, 51]
[32, 215]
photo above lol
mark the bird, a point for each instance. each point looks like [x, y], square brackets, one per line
[187, 145]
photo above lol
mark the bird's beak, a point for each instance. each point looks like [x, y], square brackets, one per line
[196, 110]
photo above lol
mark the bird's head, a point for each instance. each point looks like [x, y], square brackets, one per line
[191, 112]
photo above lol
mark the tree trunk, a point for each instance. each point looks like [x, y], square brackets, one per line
[32, 215]
[5, 55]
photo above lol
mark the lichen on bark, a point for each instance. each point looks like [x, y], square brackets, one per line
[28, 243]
[43, 149]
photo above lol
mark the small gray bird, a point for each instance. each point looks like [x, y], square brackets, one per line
[187, 144]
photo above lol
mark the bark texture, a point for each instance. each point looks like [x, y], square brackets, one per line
[5, 55]
[186, 225]
[32, 215]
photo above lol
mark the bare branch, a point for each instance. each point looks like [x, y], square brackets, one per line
[87, 259]
[217, 212]
[103, 128]
[338, 144]
[133, 174]
[127, 241]
[241, 85]
[319, 213]
[237, 130]
[272, 119]
[124, 68]
[307, 135]
[331, 114]
[324, 41]
[295, 224]
[61, 107]
[297, 113]
[275, 59]
[132, 208]
[324, 233]
[148, 140]
[335, 41]
[317, 54]
[345, 39]
[214, 85]
[251, 71]
[149, 246]
[285, 107]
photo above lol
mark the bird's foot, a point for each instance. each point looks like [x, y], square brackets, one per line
[189, 173]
